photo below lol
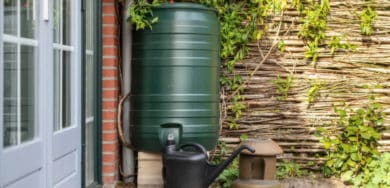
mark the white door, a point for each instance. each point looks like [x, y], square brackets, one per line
[21, 146]
[40, 93]
[66, 138]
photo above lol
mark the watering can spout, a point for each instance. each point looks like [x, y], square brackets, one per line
[214, 170]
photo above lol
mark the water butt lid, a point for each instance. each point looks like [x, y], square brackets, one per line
[184, 5]
[251, 183]
[262, 147]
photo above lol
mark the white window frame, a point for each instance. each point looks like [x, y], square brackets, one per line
[18, 40]
[71, 49]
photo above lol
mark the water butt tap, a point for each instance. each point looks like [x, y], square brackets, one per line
[188, 165]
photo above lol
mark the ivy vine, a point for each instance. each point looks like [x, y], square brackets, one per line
[283, 85]
[314, 26]
[141, 15]
[367, 17]
[314, 91]
[352, 146]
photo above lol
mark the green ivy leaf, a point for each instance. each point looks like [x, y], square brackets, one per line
[347, 176]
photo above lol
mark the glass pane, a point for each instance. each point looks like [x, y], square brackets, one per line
[56, 22]
[62, 89]
[66, 21]
[10, 106]
[10, 17]
[27, 18]
[27, 92]
[89, 154]
[57, 90]
[90, 89]
[66, 89]
[89, 24]
[89, 95]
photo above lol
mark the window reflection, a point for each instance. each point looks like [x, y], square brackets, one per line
[19, 58]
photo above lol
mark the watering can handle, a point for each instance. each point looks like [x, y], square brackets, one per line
[196, 146]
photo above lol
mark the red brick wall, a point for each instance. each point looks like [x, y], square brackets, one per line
[110, 155]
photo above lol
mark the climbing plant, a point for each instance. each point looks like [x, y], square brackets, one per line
[283, 85]
[141, 15]
[314, 26]
[352, 145]
[239, 25]
[336, 44]
[314, 91]
[288, 169]
[367, 17]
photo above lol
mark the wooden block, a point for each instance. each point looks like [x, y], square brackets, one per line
[149, 170]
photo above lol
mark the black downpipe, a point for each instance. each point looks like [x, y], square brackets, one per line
[214, 170]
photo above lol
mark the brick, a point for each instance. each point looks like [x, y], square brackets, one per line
[109, 158]
[109, 73]
[110, 94]
[109, 84]
[109, 147]
[109, 30]
[108, 1]
[109, 136]
[109, 105]
[109, 115]
[109, 126]
[108, 9]
[110, 51]
[108, 168]
[109, 41]
[108, 19]
[109, 62]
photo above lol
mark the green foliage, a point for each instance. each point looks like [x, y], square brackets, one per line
[237, 107]
[230, 174]
[298, 4]
[225, 179]
[312, 51]
[335, 44]
[281, 45]
[283, 85]
[314, 26]
[243, 137]
[375, 174]
[141, 15]
[354, 146]
[221, 146]
[367, 17]
[288, 169]
[313, 92]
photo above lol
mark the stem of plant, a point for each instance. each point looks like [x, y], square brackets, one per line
[263, 60]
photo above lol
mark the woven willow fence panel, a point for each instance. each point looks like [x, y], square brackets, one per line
[346, 76]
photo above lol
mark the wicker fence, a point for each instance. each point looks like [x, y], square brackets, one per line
[346, 76]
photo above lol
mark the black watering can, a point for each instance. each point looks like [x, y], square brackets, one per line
[191, 169]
